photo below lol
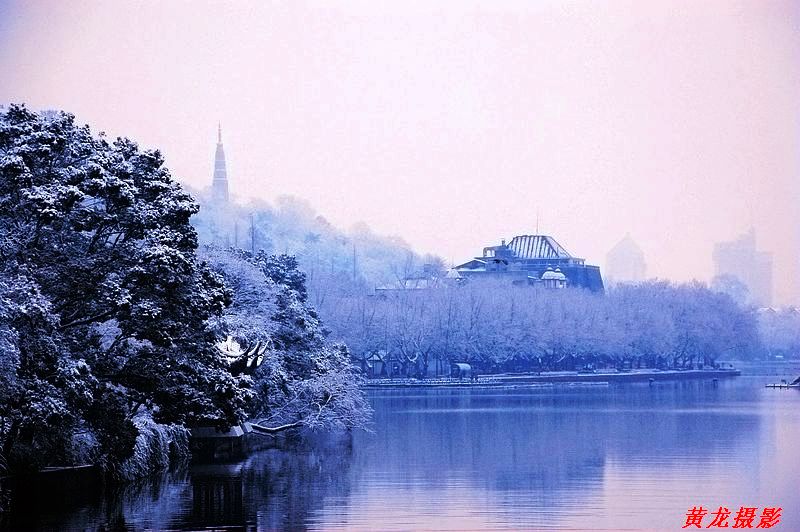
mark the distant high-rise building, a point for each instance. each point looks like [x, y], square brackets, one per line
[741, 259]
[625, 262]
[219, 185]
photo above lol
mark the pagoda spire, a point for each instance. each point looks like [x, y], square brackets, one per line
[219, 184]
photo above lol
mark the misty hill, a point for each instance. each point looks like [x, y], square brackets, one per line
[336, 261]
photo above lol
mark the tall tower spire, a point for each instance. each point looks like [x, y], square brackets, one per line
[219, 185]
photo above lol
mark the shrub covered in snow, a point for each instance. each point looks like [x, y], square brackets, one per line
[157, 446]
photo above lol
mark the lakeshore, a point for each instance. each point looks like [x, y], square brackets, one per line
[556, 377]
[540, 457]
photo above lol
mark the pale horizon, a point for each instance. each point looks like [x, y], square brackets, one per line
[456, 126]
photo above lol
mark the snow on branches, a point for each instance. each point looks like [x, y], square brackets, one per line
[107, 315]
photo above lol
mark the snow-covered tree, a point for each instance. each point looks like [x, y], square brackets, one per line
[733, 286]
[104, 307]
[499, 327]
[780, 331]
[300, 379]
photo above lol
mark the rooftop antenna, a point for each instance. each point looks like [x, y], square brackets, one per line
[537, 221]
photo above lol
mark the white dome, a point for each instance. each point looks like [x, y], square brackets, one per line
[551, 275]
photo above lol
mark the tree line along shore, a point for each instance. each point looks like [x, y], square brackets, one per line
[120, 331]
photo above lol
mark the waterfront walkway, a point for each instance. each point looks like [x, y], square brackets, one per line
[564, 377]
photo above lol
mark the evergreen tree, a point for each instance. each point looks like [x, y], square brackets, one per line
[104, 308]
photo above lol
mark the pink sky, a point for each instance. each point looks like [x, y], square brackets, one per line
[452, 125]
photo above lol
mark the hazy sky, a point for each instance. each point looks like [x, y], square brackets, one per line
[453, 125]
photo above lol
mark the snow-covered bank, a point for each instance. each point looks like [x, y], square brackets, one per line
[558, 377]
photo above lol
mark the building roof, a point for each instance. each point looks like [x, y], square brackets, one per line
[537, 247]
[522, 247]
[474, 264]
[529, 255]
[236, 431]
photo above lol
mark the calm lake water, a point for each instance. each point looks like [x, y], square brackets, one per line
[626, 456]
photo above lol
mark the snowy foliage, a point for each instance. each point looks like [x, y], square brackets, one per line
[498, 327]
[303, 381]
[104, 306]
[335, 261]
[110, 326]
[780, 331]
[156, 447]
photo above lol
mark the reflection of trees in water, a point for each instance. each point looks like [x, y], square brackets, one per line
[552, 440]
[681, 420]
[273, 489]
[547, 447]
[150, 503]
[501, 442]
[288, 488]
[82, 503]
[216, 497]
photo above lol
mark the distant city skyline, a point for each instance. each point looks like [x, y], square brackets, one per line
[742, 259]
[625, 262]
[454, 125]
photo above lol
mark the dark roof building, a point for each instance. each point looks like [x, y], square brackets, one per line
[533, 260]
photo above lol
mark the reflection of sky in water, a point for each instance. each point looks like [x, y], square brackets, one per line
[627, 456]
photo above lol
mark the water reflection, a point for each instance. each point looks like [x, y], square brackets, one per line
[630, 456]
[273, 489]
[217, 498]
[541, 458]
[627, 456]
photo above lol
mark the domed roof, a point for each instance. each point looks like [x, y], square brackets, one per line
[551, 275]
